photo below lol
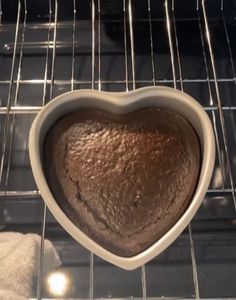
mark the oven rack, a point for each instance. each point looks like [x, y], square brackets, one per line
[19, 43]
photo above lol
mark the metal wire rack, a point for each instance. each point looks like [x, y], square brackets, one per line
[53, 47]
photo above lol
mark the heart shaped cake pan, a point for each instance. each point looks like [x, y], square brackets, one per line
[122, 103]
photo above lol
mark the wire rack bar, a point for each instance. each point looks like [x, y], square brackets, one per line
[194, 264]
[144, 282]
[45, 81]
[151, 43]
[15, 193]
[99, 45]
[131, 35]
[88, 82]
[10, 133]
[73, 47]
[35, 109]
[41, 259]
[177, 47]
[173, 32]
[54, 50]
[93, 66]
[91, 276]
[7, 121]
[221, 114]
[132, 50]
[33, 193]
[0, 12]
[125, 47]
[172, 57]
[228, 41]
[210, 92]
[68, 24]
[18, 194]
[41, 255]
[173, 53]
[93, 44]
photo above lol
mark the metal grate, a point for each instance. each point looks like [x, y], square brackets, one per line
[54, 47]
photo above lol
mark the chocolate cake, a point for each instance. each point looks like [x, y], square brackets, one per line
[124, 180]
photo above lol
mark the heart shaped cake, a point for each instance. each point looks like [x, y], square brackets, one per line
[124, 179]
